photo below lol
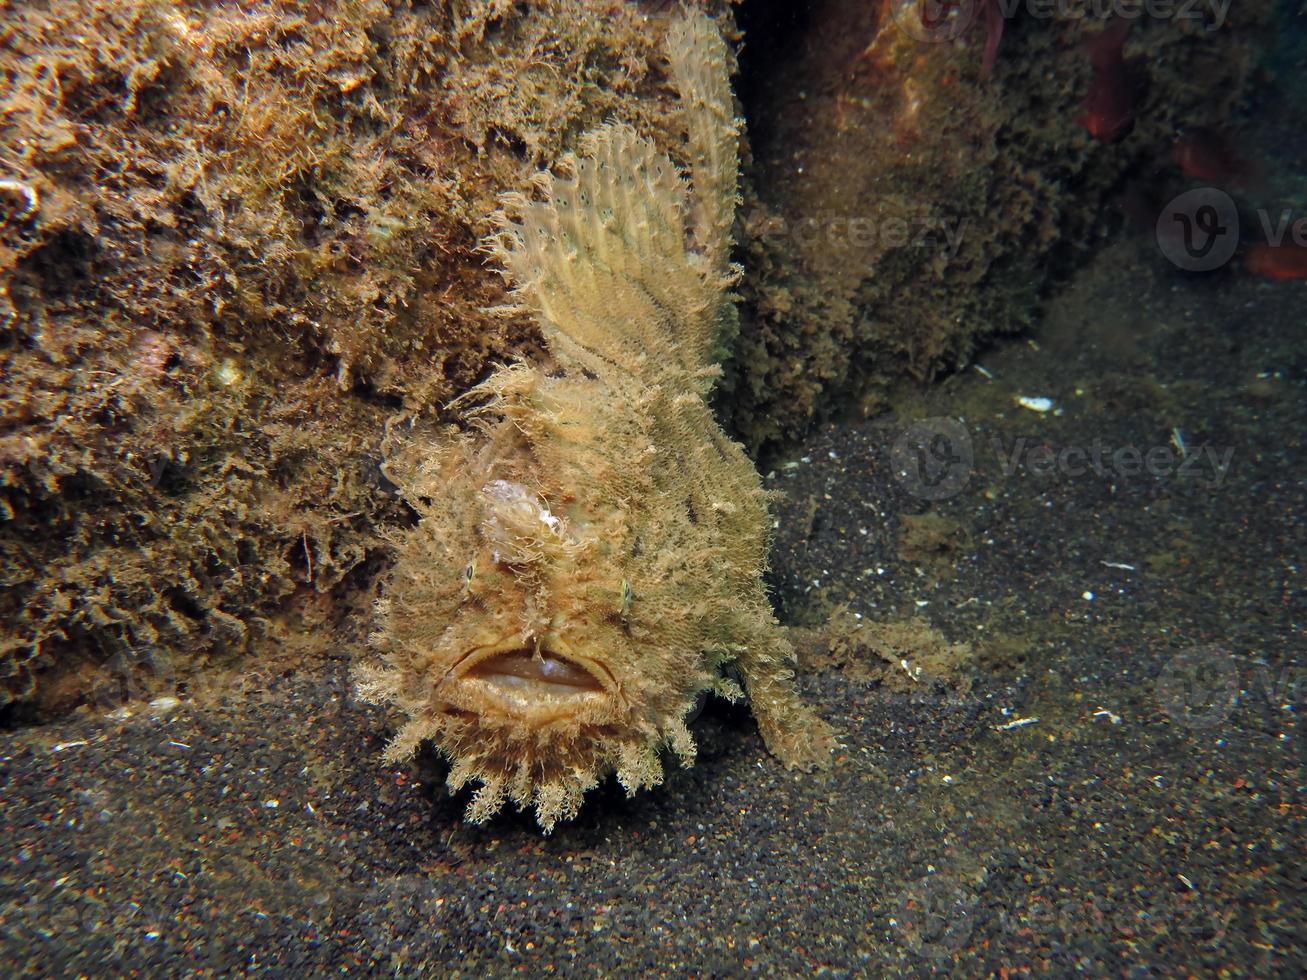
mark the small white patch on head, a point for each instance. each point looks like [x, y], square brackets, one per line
[229, 373]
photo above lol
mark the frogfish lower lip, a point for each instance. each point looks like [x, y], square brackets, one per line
[534, 682]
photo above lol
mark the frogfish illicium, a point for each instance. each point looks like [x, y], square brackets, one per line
[589, 554]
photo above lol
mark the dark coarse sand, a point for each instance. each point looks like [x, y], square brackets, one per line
[1112, 786]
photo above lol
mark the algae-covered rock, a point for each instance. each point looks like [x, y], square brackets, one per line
[238, 247]
[905, 204]
[236, 240]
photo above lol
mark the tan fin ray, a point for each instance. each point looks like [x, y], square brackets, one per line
[701, 67]
[600, 257]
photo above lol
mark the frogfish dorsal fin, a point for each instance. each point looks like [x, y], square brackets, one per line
[624, 265]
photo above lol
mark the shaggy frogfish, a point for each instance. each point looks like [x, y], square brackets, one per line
[588, 557]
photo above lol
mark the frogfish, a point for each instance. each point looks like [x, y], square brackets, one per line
[588, 557]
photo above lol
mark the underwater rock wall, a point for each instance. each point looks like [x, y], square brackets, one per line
[908, 200]
[238, 242]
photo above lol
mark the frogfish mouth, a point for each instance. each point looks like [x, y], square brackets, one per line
[589, 552]
[536, 681]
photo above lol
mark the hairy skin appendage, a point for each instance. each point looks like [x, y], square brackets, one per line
[589, 557]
